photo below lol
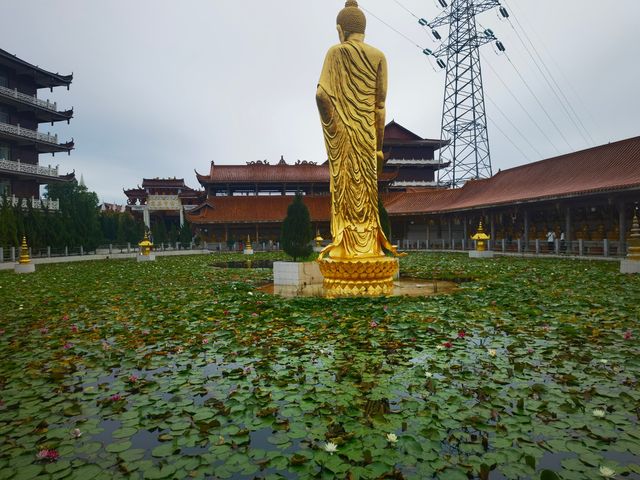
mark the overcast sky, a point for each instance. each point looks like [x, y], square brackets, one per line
[161, 87]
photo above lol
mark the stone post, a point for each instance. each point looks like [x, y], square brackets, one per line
[557, 246]
[66, 251]
[48, 252]
[504, 245]
[537, 246]
[81, 250]
[581, 247]
[110, 248]
[450, 234]
[13, 254]
[567, 230]
[181, 217]
[465, 234]
[128, 247]
[622, 223]
[605, 247]
[519, 241]
[146, 217]
[428, 234]
[443, 244]
[526, 231]
[1, 255]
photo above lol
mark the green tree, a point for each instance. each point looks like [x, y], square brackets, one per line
[185, 234]
[79, 214]
[296, 233]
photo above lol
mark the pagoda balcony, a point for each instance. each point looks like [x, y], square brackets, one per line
[28, 99]
[29, 169]
[33, 202]
[45, 142]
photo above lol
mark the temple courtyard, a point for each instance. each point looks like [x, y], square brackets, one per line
[529, 368]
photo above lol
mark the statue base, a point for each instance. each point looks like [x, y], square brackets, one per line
[248, 251]
[480, 254]
[24, 268]
[371, 276]
[629, 266]
[146, 258]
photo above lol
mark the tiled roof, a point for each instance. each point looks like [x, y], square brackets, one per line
[256, 209]
[263, 209]
[280, 173]
[163, 182]
[608, 167]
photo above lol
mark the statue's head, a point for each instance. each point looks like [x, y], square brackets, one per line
[351, 20]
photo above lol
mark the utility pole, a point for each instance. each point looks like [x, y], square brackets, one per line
[464, 121]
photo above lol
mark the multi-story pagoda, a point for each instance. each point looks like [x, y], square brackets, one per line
[166, 198]
[411, 156]
[21, 142]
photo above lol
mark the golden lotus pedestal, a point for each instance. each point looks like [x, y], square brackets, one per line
[358, 277]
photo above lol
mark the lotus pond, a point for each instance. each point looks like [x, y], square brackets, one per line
[174, 369]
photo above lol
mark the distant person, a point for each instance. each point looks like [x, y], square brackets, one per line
[551, 240]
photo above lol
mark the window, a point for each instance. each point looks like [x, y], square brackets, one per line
[4, 114]
[5, 188]
[5, 152]
[4, 79]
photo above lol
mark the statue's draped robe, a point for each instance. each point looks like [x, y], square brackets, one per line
[354, 79]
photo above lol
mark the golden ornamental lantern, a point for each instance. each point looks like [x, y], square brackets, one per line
[24, 252]
[633, 251]
[248, 246]
[318, 239]
[481, 238]
[145, 245]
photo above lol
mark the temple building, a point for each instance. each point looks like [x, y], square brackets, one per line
[21, 142]
[409, 164]
[166, 198]
[585, 197]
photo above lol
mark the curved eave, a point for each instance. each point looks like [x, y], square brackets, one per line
[40, 179]
[42, 77]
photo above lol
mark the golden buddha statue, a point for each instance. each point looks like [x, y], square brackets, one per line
[351, 100]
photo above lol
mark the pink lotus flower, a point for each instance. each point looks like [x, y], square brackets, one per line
[447, 344]
[145, 332]
[462, 334]
[105, 346]
[385, 308]
[546, 328]
[115, 398]
[133, 378]
[2, 331]
[373, 324]
[48, 455]
[254, 314]
[529, 350]
[44, 330]
[67, 345]
[628, 335]
[226, 312]
[205, 341]
[74, 328]
[65, 317]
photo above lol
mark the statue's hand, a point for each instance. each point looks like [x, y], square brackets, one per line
[380, 161]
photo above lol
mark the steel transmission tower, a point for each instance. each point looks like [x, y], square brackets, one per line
[464, 121]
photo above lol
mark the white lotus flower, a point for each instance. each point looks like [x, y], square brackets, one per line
[428, 374]
[607, 472]
[439, 347]
[330, 448]
[492, 352]
[392, 438]
[598, 412]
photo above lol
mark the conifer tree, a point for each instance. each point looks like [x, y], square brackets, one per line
[296, 233]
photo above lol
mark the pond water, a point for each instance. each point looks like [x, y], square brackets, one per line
[244, 264]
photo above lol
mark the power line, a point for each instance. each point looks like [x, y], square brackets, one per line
[392, 28]
[524, 137]
[562, 98]
[508, 138]
[526, 84]
[526, 111]
[559, 69]
[406, 9]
